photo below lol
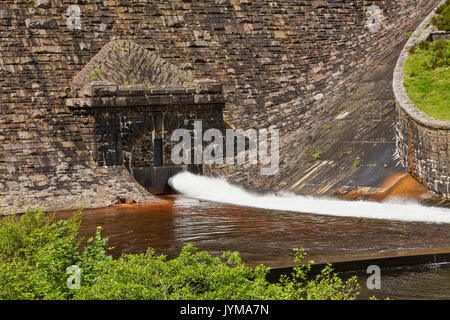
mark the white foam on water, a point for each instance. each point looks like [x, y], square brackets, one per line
[219, 190]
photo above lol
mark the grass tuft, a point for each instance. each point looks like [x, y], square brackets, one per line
[427, 78]
[442, 18]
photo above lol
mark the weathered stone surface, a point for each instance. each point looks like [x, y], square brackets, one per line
[121, 123]
[265, 53]
[45, 4]
[70, 187]
[440, 35]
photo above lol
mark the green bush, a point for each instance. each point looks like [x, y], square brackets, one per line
[35, 251]
[437, 53]
[442, 18]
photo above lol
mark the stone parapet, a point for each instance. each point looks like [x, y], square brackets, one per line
[422, 142]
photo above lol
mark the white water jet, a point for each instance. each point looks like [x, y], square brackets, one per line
[219, 190]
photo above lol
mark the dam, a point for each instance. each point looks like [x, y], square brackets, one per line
[313, 69]
[95, 94]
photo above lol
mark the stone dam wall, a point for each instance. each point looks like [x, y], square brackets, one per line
[283, 63]
[422, 142]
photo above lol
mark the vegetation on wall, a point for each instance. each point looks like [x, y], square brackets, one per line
[442, 18]
[36, 250]
[427, 78]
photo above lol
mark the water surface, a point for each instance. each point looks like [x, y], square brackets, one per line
[261, 236]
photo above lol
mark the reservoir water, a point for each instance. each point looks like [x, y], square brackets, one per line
[268, 236]
[260, 235]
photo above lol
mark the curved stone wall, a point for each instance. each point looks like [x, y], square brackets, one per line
[422, 142]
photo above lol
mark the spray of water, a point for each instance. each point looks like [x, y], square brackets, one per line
[219, 190]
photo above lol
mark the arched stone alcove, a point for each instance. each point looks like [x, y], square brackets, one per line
[129, 101]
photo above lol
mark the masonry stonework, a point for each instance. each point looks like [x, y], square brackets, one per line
[121, 109]
[282, 63]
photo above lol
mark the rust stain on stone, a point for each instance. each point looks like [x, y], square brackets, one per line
[403, 186]
[410, 151]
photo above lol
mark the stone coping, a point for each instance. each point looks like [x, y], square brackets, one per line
[108, 94]
[151, 101]
[440, 35]
[420, 34]
[109, 89]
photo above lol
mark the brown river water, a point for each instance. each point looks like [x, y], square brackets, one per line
[268, 237]
[261, 236]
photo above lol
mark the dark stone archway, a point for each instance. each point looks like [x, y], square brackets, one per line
[131, 125]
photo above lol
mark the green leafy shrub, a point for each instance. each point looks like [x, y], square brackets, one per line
[35, 251]
[442, 18]
[438, 54]
[196, 275]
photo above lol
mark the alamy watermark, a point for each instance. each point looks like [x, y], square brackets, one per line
[74, 19]
[374, 281]
[374, 19]
[74, 280]
[221, 149]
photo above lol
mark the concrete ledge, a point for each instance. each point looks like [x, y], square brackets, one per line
[393, 260]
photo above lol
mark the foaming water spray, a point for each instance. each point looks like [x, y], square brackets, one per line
[219, 190]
